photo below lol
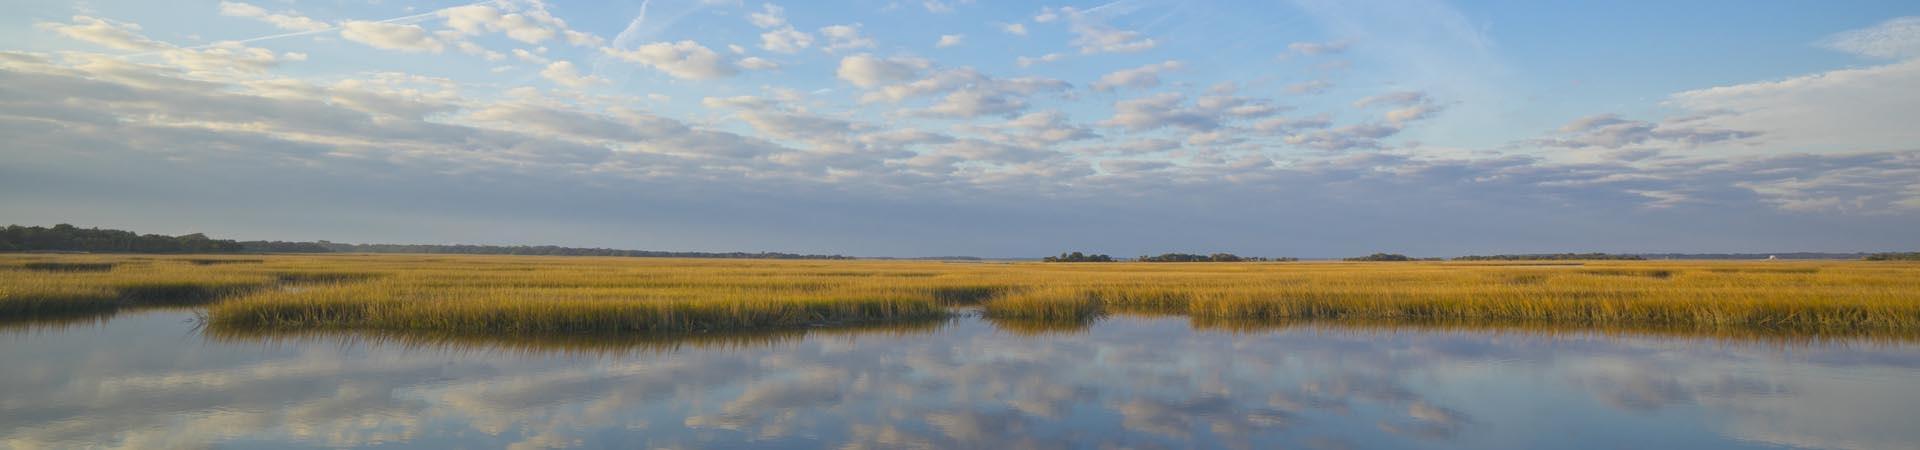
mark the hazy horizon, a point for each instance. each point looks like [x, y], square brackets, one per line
[1309, 128]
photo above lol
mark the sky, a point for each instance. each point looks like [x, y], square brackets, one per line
[1304, 128]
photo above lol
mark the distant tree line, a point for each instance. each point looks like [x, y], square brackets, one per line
[1163, 257]
[64, 237]
[1552, 257]
[69, 238]
[1894, 256]
[1390, 257]
[1789, 255]
[1216, 257]
[550, 250]
[1077, 257]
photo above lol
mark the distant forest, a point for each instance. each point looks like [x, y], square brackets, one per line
[69, 238]
[1553, 257]
[1163, 257]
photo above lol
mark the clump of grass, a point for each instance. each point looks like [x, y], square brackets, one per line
[215, 261]
[40, 293]
[1649, 273]
[587, 343]
[22, 296]
[1052, 303]
[50, 266]
[416, 304]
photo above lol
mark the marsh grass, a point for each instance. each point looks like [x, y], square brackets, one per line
[67, 266]
[528, 294]
[27, 292]
[584, 344]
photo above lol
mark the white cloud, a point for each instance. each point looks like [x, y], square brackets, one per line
[285, 21]
[1317, 48]
[1855, 109]
[105, 33]
[1028, 61]
[565, 74]
[969, 103]
[1290, 125]
[940, 6]
[785, 40]
[532, 25]
[868, 71]
[1894, 39]
[391, 36]
[844, 37]
[1401, 116]
[477, 50]
[1358, 136]
[769, 16]
[684, 59]
[950, 40]
[1398, 98]
[1142, 77]
[515, 26]
[1016, 29]
[1037, 129]
[528, 56]
[1158, 111]
[757, 63]
[1309, 87]
[225, 57]
[1093, 35]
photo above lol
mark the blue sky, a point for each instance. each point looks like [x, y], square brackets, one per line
[1312, 128]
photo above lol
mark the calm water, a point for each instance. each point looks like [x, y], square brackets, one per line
[152, 380]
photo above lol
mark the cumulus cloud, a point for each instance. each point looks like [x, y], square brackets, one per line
[105, 33]
[968, 103]
[1401, 98]
[1092, 34]
[219, 57]
[1309, 87]
[1016, 29]
[1897, 38]
[1612, 132]
[685, 60]
[769, 16]
[391, 36]
[1317, 48]
[757, 63]
[1027, 61]
[1350, 137]
[1158, 111]
[950, 40]
[969, 93]
[1845, 110]
[785, 40]
[565, 74]
[531, 24]
[868, 71]
[844, 37]
[1049, 127]
[284, 21]
[1142, 77]
[1290, 125]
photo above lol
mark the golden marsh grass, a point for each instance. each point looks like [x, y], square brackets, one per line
[523, 294]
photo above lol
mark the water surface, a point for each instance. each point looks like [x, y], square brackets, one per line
[154, 380]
